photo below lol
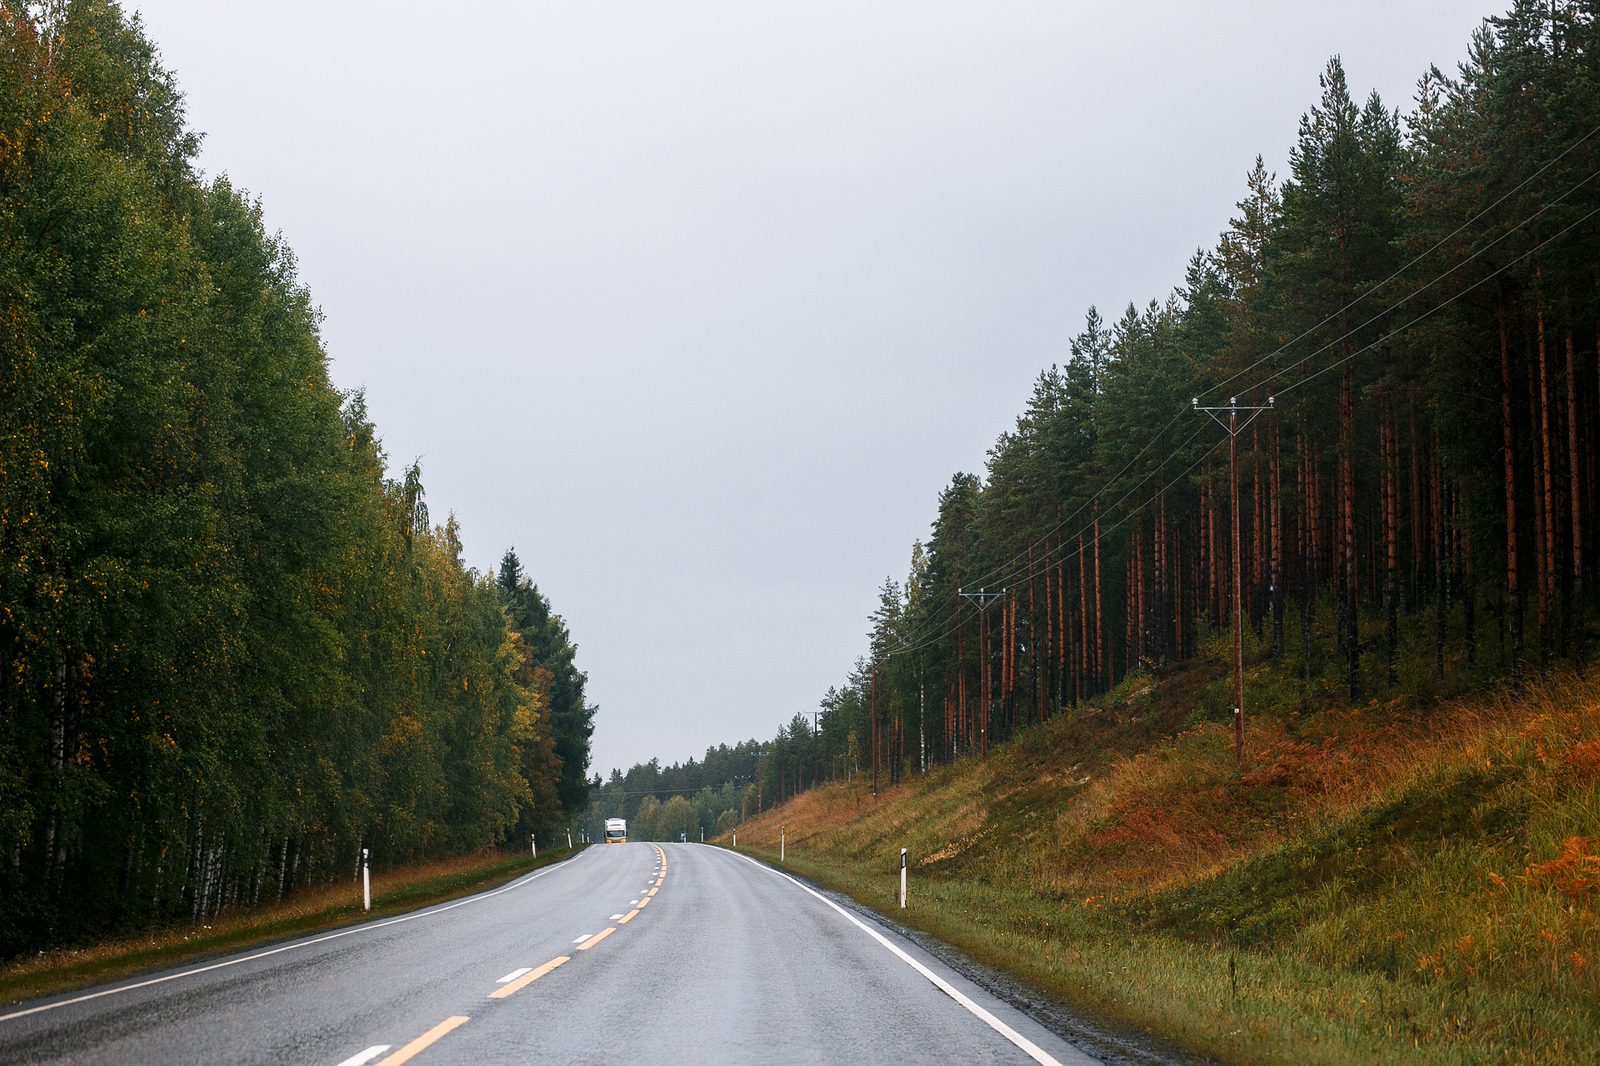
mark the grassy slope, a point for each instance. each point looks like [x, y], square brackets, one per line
[1409, 880]
[314, 910]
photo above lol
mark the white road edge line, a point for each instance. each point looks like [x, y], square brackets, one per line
[366, 1056]
[1034, 1051]
[290, 947]
[506, 980]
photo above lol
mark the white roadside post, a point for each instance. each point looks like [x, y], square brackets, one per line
[569, 840]
[735, 838]
[783, 841]
[533, 842]
[902, 878]
[366, 882]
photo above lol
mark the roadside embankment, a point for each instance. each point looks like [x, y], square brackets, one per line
[313, 910]
[1412, 880]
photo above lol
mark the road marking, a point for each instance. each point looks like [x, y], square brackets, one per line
[601, 935]
[508, 978]
[582, 938]
[643, 903]
[291, 947]
[362, 1058]
[625, 919]
[528, 977]
[406, 1053]
[1033, 1051]
[633, 903]
[614, 917]
[653, 891]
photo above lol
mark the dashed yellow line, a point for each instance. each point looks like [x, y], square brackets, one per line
[643, 903]
[626, 918]
[652, 892]
[592, 941]
[406, 1053]
[528, 978]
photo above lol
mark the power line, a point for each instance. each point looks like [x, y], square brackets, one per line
[1095, 497]
[1421, 256]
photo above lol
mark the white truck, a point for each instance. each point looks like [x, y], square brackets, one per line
[616, 831]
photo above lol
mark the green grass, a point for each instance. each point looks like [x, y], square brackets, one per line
[1411, 879]
[319, 909]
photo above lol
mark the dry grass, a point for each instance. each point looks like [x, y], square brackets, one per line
[310, 910]
[1411, 878]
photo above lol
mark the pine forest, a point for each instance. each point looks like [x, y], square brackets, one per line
[1379, 392]
[235, 651]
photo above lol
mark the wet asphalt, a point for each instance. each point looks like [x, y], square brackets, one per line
[729, 961]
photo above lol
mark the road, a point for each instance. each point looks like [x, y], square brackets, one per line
[631, 953]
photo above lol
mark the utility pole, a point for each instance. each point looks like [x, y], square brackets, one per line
[816, 725]
[983, 598]
[874, 730]
[1234, 428]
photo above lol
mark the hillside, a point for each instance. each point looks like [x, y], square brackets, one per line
[1411, 879]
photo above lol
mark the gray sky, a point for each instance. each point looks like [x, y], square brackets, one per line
[699, 305]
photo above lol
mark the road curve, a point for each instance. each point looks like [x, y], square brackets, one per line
[624, 954]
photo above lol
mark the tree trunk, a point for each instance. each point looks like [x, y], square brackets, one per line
[1347, 471]
[1574, 467]
[1513, 612]
[1101, 673]
[1391, 516]
[1416, 520]
[1087, 675]
[1539, 562]
[1275, 510]
[1548, 573]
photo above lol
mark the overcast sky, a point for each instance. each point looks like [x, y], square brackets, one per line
[699, 305]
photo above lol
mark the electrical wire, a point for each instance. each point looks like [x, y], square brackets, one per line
[1420, 256]
[1012, 572]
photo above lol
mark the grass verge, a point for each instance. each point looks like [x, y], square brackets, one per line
[1408, 880]
[314, 910]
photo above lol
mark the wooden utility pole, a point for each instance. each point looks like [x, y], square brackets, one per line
[1234, 428]
[816, 724]
[982, 598]
[874, 731]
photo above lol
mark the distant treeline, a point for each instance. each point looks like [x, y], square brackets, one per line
[233, 652]
[684, 798]
[1418, 305]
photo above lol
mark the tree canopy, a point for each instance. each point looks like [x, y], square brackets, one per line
[1415, 307]
[234, 651]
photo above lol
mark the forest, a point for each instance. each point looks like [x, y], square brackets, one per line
[1408, 322]
[235, 650]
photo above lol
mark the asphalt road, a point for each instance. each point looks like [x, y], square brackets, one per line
[632, 953]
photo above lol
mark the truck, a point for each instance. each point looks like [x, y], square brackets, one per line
[616, 831]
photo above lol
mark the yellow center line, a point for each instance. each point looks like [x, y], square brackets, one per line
[406, 1053]
[592, 941]
[625, 919]
[652, 892]
[528, 978]
[643, 903]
